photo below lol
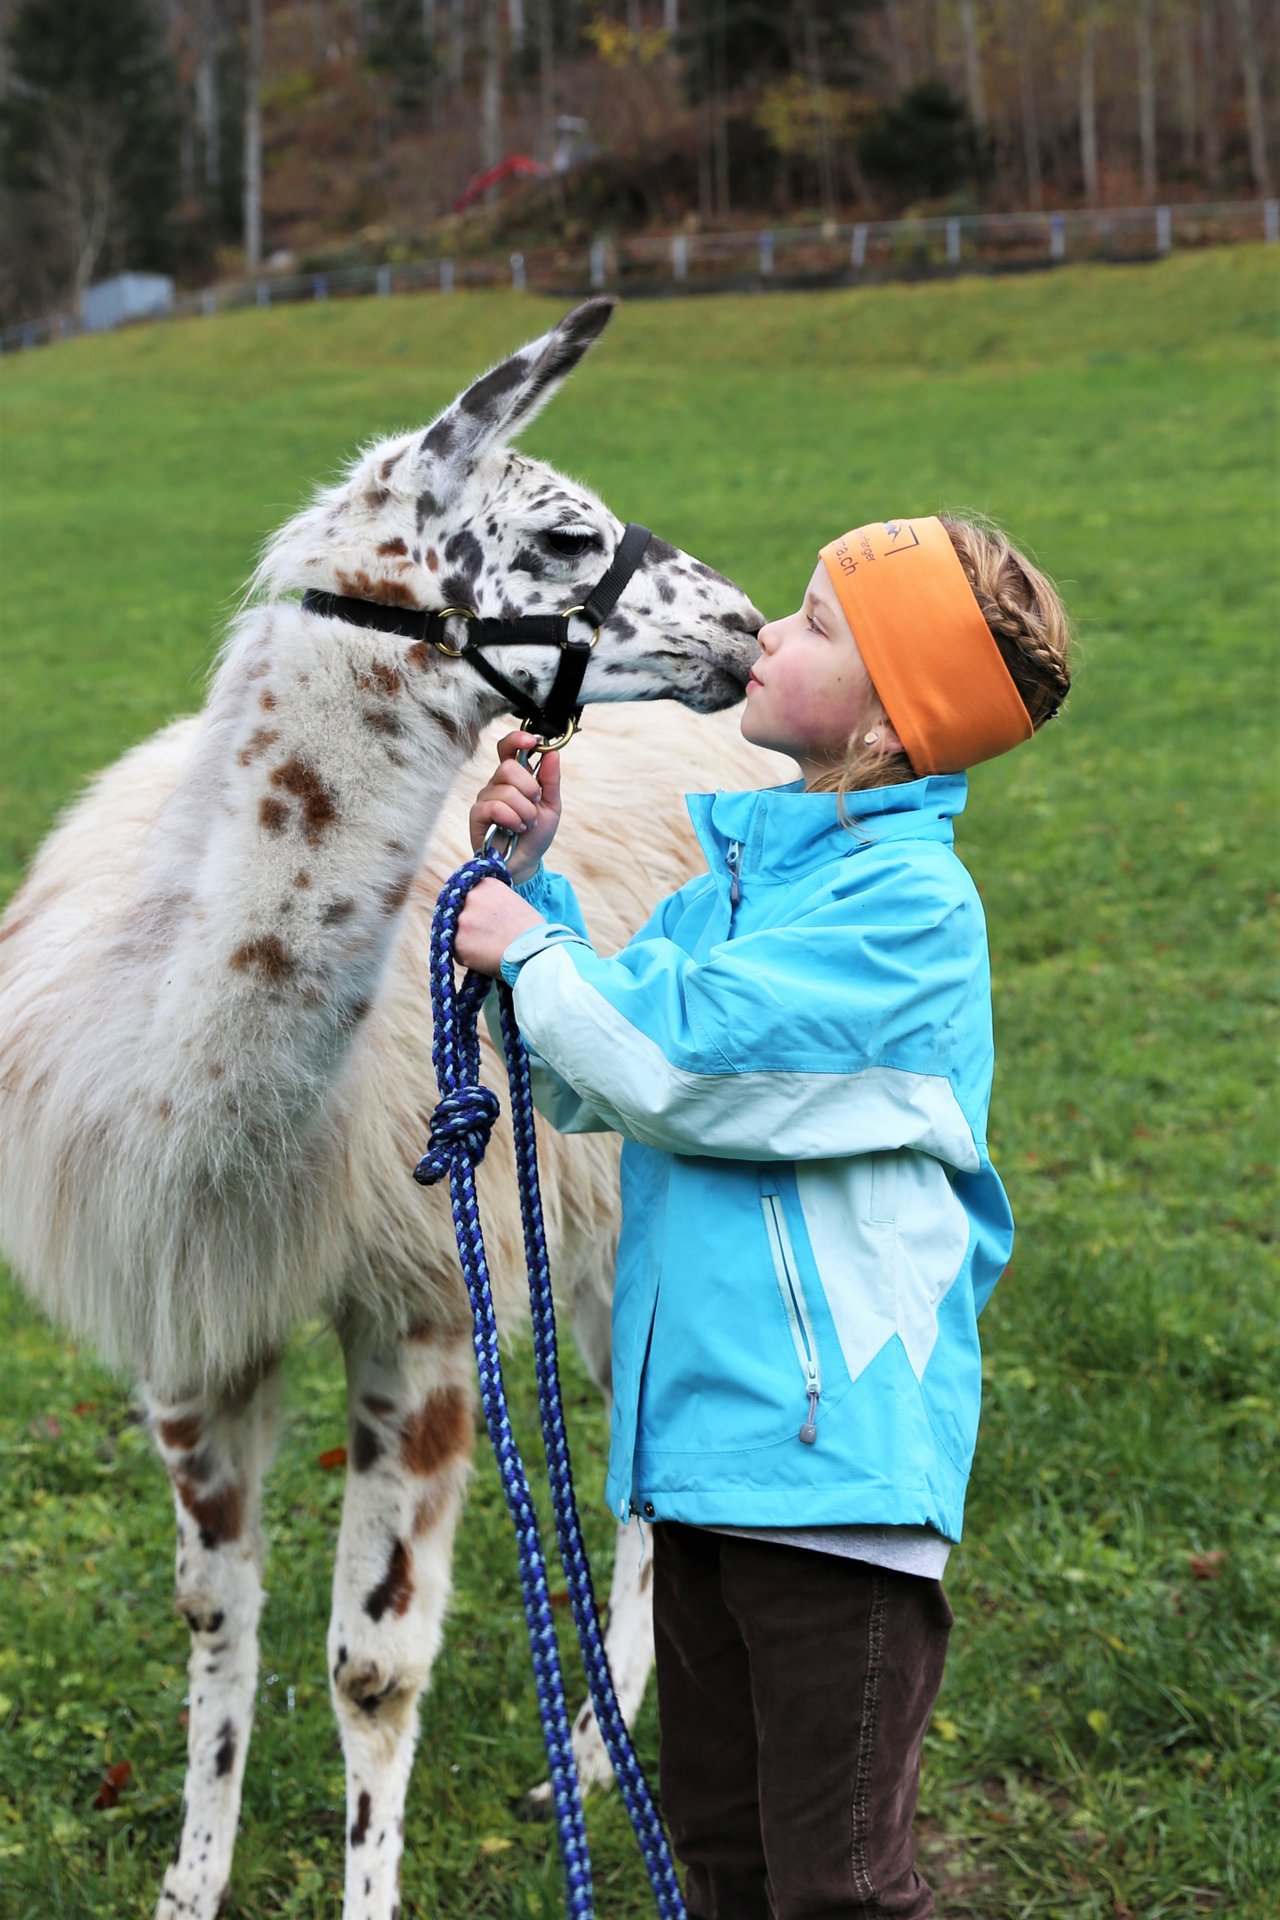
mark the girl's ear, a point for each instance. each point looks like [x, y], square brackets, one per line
[882, 738]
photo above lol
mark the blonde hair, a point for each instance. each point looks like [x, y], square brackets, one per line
[1029, 624]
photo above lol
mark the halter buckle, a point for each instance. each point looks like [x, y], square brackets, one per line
[566, 614]
[453, 613]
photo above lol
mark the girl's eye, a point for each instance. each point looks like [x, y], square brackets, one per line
[570, 542]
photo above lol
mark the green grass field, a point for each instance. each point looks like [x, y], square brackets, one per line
[1108, 1739]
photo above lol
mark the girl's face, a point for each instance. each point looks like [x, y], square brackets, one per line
[809, 692]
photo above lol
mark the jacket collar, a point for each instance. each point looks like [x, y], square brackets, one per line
[784, 830]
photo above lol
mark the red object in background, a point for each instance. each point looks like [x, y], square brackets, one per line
[335, 1457]
[515, 166]
[115, 1777]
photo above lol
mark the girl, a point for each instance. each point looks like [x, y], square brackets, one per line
[797, 1051]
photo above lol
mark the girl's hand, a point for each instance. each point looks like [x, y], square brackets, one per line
[520, 799]
[492, 915]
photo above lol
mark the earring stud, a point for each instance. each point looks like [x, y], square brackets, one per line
[870, 739]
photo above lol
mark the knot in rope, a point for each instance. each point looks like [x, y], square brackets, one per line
[461, 1124]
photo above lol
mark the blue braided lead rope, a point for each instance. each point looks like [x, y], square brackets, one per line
[459, 1133]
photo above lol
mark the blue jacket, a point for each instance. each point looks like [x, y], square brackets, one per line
[797, 1050]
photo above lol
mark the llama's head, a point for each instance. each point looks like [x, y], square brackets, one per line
[450, 516]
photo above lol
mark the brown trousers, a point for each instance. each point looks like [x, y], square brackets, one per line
[794, 1690]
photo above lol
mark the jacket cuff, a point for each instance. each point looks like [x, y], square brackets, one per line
[535, 940]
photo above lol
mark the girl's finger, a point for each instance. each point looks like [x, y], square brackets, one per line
[548, 778]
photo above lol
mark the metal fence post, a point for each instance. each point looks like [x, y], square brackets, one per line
[680, 256]
[519, 279]
[858, 251]
[953, 242]
[1058, 236]
[766, 253]
[384, 281]
[320, 287]
[1271, 220]
[209, 302]
[446, 276]
[1164, 229]
[597, 263]
[264, 294]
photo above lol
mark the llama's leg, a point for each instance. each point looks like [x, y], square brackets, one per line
[411, 1430]
[216, 1447]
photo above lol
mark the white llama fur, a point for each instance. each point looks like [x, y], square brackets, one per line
[215, 1070]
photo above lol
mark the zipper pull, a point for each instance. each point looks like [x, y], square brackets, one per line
[733, 860]
[809, 1431]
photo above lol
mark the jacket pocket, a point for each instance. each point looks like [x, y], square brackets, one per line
[796, 1307]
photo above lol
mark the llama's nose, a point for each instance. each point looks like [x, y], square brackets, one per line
[750, 621]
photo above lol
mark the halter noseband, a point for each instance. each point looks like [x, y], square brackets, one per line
[556, 719]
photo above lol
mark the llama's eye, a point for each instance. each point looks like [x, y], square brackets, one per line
[570, 542]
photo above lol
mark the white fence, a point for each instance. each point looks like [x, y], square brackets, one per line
[828, 255]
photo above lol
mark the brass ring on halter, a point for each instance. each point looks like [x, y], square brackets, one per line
[567, 613]
[561, 740]
[450, 613]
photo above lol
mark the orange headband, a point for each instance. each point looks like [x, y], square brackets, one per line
[931, 655]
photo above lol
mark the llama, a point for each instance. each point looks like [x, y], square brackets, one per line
[215, 1070]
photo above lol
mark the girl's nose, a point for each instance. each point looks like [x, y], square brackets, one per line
[767, 635]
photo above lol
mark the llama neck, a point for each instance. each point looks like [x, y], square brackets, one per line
[327, 754]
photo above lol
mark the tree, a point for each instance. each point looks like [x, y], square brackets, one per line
[925, 143]
[89, 134]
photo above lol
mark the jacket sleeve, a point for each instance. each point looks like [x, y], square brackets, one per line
[567, 1108]
[831, 1034]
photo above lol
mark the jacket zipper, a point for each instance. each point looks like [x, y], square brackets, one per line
[796, 1306]
[733, 860]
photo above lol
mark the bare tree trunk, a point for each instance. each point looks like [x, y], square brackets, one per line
[1209, 68]
[720, 89]
[634, 22]
[1146, 96]
[1027, 93]
[898, 52]
[208, 116]
[1089, 105]
[457, 44]
[671, 17]
[547, 78]
[491, 93]
[515, 24]
[1250, 69]
[973, 64]
[813, 62]
[253, 142]
[1187, 85]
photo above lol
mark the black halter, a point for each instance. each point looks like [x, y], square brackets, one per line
[560, 712]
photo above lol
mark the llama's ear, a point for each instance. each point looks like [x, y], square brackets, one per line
[505, 399]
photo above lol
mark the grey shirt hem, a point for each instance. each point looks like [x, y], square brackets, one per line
[918, 1550]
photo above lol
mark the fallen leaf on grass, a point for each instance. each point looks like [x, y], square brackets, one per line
[1207, 1566]
[335, 1457]
[115, 1777]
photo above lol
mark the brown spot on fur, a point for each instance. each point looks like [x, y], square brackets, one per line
[376, 497]
[390, 547]
[219, 1516]
[366, 1448]
[216, 1071]
[319, 810]
[268, 957]
[257, 744]
[418, 655]
[437, 1432]
[361, 586]
[433, 560]
[340, 910]
[302, 879]
[378, 720]
[181, 1434]
[387, 678]
[165, 1109]
[395, 1589]
[396, 893]
[273, 815]
[266, 700]
[364, 1812]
